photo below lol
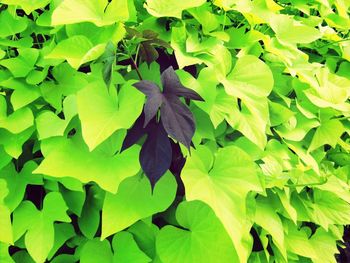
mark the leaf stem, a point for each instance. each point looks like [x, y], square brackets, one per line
[136, 68]
[309, 184]
[224, 22]
[137, 53]
[332, 43]
[133, 61]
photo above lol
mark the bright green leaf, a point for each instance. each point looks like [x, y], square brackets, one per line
[224, 186]
[134, 201]
[203, 238]
[107, 113]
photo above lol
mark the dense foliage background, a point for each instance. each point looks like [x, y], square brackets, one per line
[266, 176]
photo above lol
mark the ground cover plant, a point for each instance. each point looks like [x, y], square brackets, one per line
[174, 131]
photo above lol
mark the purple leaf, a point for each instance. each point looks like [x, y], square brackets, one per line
[177, 120]
[154, 99]
[156, 153]
[135, 133]
[172, 85]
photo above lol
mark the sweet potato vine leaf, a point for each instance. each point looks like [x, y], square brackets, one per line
[147, 40]
[156, 153]
[176, 120]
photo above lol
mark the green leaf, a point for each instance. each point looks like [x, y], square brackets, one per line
[11, 25]
[13, 142]
[297, 241]
[172, 8]
[23, 93]
[97, 35]
[89, 220]
[74, 198]
[202, 238]
[72, 158]
[126, 249]
[101, 113]
[325, 245]
[250, 79]
[267, 218]
[217, 103]
[4, 253]
[297, 127]
[99, 12]
[21, 65]
[49, 124]
[96, 251]
[28, 7]
[38, 225]
[63, 232]
[5, 216]
[291, 31]
[279, 113]
[16, 122]
[145, 236]
[329, 90]
[328, 132]
[328, 209]
[223, 181]
[77, 50]
[17, 182]
[134, 201]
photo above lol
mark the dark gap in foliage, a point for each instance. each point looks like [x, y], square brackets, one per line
[61, 115]
[26, 155]
[165, 60]
[72, 132]
[125, 62]
[177, 163]
[99, 229]
[166, 22]
[35, 194]
[3, 7]
[233, 136]
[85, 69]
[312, 226]
[192, 69]
[327, 147]
[74, 223]
[239, 103]
[344, 256]
[269, 248]
[49, 75]
[42, 10]
[65, 249]
[292, 94]
[257, 245]
[20, 12]
[37, 155]
[159, 221]
[13, 250]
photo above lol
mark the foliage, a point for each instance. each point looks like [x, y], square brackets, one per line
[174, 131]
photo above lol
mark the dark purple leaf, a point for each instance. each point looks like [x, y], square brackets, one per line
[177, 120]
[147, 87]
[135, 133]
[156, 153]
[148, 53]
[154, 99]
[172, 85]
